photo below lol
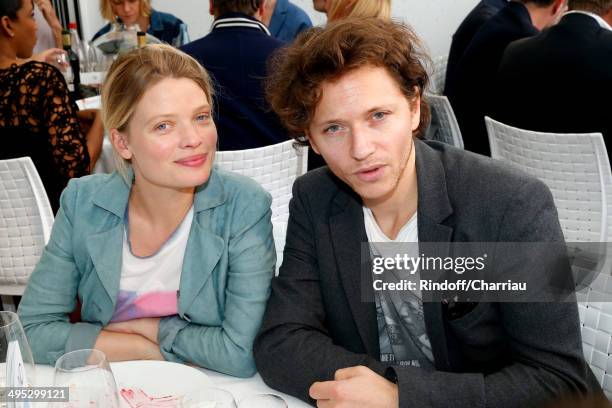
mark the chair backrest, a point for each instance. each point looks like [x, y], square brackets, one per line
[573, 165]
[275, 167]
[596, 330]
[25, 223]
[437, 79]
[576, 169]
[444, 126]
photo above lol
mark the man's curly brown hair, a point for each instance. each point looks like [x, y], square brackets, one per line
[298, 70]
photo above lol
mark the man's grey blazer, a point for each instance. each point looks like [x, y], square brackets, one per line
[498, 355]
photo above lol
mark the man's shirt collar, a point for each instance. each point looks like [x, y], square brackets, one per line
[597, 18]
[233, 21]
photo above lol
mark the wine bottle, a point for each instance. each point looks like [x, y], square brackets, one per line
[73, 58]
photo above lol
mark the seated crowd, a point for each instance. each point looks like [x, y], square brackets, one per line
[171, 258]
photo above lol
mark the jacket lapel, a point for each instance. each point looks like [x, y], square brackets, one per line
[204, 247]
[347, 235]
[105, 250]
[105, 247]
[434, 207]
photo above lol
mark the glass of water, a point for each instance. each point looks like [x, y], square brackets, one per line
[89, 379]
[16, 362]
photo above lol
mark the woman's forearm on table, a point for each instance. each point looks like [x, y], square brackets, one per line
[124, 346]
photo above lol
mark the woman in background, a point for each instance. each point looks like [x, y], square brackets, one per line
[164, 26]
[339, 9]
[169, 257]
[37, 116]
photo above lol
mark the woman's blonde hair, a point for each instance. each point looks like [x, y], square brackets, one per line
[339, 9]
[107, 11]
[132, 74]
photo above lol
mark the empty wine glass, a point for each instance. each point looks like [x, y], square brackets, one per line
[208, 397]
[16, 362]
[262, 401]
[89, 379]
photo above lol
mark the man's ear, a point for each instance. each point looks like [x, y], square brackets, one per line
[120, 144]
[260, 13]
[560, 6]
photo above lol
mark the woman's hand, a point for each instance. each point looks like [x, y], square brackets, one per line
[147, 327]
[52, 56]
[48, 13]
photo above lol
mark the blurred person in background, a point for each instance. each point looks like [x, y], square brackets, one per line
[577, 51]
[468, 28]
[471, 87]
[164, 26]
[320, 5]
[169, 257]
[235, 53]
[338, 9]
[37, 116]
[284, 19]
[49, 33]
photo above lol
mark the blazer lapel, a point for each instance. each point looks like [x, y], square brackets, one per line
[204, 247]
[347, 235]
[105, 248]
[434, 208]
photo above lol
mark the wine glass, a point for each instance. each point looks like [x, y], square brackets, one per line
[89, 379]
[16, 362]
[262, 401]
[208, 397]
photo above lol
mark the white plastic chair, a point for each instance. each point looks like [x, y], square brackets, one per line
[437, 79]
[573, 165]
[444, 126]
[25, 223]
[576, 169]
[275, 167]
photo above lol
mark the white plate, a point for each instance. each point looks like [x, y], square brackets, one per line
[158, 378]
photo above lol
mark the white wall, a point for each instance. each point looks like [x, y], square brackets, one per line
[434, 20]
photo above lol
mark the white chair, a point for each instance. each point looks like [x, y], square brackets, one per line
[275, 167]
[444, 126]
[25, 223]
[573, 165]
[576, 169]
[437, 79]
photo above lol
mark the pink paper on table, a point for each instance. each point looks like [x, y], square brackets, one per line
[137, 398]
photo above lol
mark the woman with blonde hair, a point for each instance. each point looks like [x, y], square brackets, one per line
[170, 258]
[339, 9]
[163, 26]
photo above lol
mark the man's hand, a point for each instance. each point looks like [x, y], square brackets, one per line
[147, 327]
[355, 387]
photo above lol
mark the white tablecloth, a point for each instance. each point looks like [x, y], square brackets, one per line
[239, 387]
